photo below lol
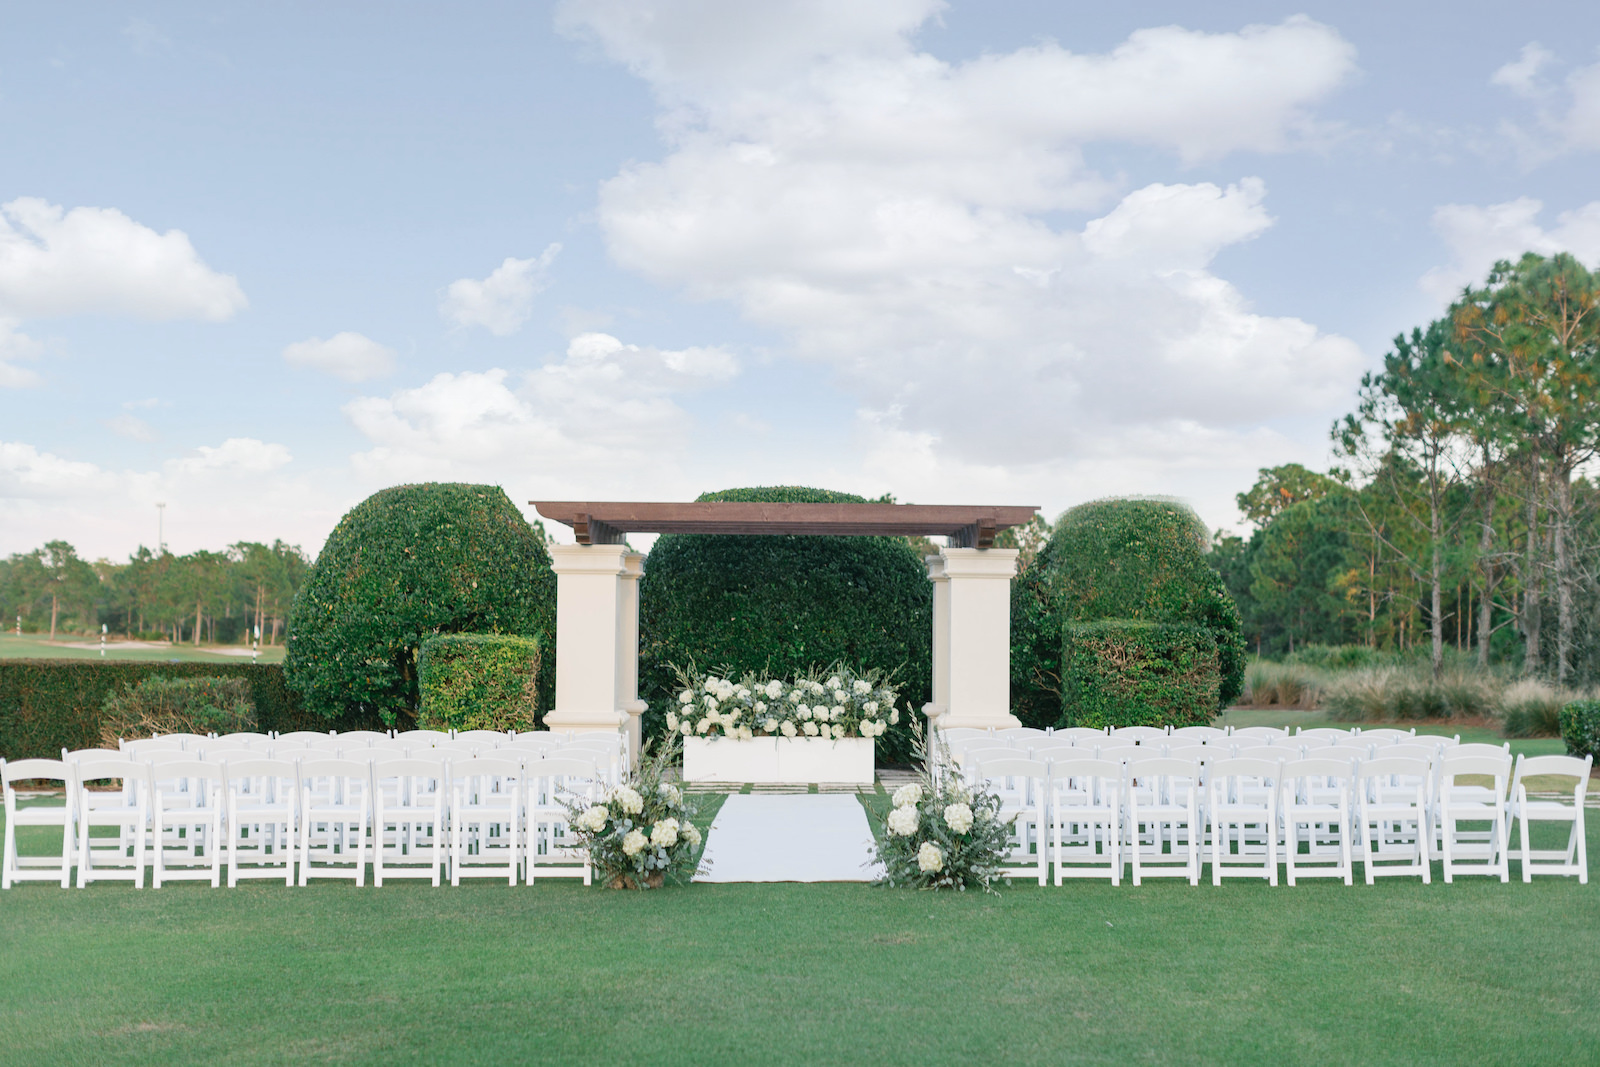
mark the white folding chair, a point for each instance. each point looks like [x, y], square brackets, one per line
[141, 747]
[1574, 858]
[249, 737]
[1163, 818]
[15, 867]
[1086, 818]
[1270, 734]
[1475, 850]
[418, 738]
[262, 824]
[1140, 734]
[972, 757]
[409, 827]
[1024, 735]
[489, 738]
[367, 738]
[305, 735]
[1078, 735]
[1393, 801]
[1384, 735]
[1316, 795]
[1242, 809]
[1326, 735]
[335, 812]
[125, 809]
[486, 797]
[1023, 787]
[552, 852]
[186, 802]
[1186, 734]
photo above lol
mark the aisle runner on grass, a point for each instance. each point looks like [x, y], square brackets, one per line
[817, 837]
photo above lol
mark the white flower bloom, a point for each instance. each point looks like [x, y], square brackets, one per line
[804, 711]
[688, 728]
[633, 843]
[760, 706]
[929, 858]
[628, 800]
[903, 821]
[770, 725]
[862, 686]
[838, 730]
[673, 794]
[836, 712]
[839, 696]
[711, 702]
[870, 706]
[958, 817]
[672, 721]
[787, 728]
[705, 725]
[816, 687]
[774, 689]
[711, 685]
[833, 683]
[664, 834]
[794, 695]
[810, 729]
[871, 728]
[686, 697]
[691, 834]
[894, 717]
[907, 794]
[594, 819]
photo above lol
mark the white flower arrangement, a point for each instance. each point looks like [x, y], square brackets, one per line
[642, 831]
[847, 703]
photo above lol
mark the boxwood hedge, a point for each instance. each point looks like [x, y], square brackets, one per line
[1580, 728]
[1124, 672]
[780, 606]
[479, 682]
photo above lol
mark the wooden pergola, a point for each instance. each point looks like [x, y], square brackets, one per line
[597, 597]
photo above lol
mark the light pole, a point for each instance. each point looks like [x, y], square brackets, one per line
[161, 528]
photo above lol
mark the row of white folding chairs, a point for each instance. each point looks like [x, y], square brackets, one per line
[1158, 814]
[267, 813]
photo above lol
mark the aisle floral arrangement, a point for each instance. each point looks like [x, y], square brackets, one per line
[833, 703]
[947, 836]
[640, 834]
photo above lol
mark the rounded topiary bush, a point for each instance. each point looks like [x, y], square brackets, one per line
[1142, 560]
[404, 565]
[782, 605]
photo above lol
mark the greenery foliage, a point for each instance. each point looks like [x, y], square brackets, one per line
[783, 606]
[1128, 672]
[1580, 728]
[478, 682]
[641, 834]
[50, 704]
[1142, 560]
[203, 704]
[406, 564]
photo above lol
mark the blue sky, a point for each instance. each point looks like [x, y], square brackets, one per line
[257, 262]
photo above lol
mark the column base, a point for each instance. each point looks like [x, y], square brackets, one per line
[586, 722]
[978, 720]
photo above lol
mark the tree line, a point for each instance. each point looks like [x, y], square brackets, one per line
[221, 597]
[1463, 508]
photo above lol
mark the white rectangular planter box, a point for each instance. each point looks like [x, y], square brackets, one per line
[778, 760]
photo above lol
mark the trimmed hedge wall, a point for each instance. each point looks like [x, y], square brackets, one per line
[479, 682]
[781, 606]
[50, 704]
[1580, 728]
[1122, 672]
[1116, 559]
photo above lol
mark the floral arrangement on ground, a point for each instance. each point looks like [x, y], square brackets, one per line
[944, 836]
[834, 703]
[639, 834]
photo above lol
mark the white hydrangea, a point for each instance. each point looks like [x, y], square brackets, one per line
[705, 724]
[929, 858]
[671, 792]
[761, 706]
[815, 687]
[862, 686]
[836, 712]
[810, 728]
[672, 721]
[839, 696]
[627, 799]
[903, 820]
[686, 697]
[907, 794]
[770, 725]
[795, 696]
[894, 717]
[594, 819]
[633, 843]
[871, 728]
[787, 728]
[691, 834]
[958, 817]
[744, 694]
[870, 707]
[664, 834]
[833, 683]
[804, 711]
[774, 689]
[838, 730]
[710, 702]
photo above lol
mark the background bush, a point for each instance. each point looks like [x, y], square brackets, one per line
[479, 682]
[1123, 672]
[1142, 560]
[780, 606]
[1580, 728]
[50, 704]
[161, 705]
[402, 566]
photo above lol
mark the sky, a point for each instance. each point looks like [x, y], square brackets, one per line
[260, 261]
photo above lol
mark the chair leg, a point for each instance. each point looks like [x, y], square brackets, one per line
[1527, 859]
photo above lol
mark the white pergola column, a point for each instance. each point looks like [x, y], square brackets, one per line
[597, 639]
[977, 637]
[941, 640]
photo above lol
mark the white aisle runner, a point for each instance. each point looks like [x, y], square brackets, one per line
[807, 837]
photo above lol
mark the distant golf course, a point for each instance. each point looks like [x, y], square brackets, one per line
[35, 646]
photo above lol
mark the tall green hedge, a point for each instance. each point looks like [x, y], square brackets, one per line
[780, 606]
[1122, 672]
[402, 566]
[50, 704]
[1580, 728]
[479, 682]
[1116, 559]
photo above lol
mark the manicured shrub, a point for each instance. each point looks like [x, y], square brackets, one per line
[161, 705]
[402, 566]
[1580, 728]
[781, 606]
[1124, 672]
[50, 704]
[1141, 560]
[479, 682]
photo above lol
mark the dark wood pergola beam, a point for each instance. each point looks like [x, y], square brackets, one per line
[605, 523]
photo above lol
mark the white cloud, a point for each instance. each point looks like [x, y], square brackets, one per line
[605, 412]
[97, 260]
[1522, 75]
[133, 428]
[1566, 117]
[14, 346]
[239, 455]
[348, 356]
[502, 302]
[1179, 226]
[1478, 236]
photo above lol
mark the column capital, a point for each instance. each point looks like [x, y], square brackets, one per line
[590, 559]
[935, 566]
[979, 563]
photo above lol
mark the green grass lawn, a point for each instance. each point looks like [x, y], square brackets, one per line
[1290, 718]
[35, 646]
[1475, 972]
